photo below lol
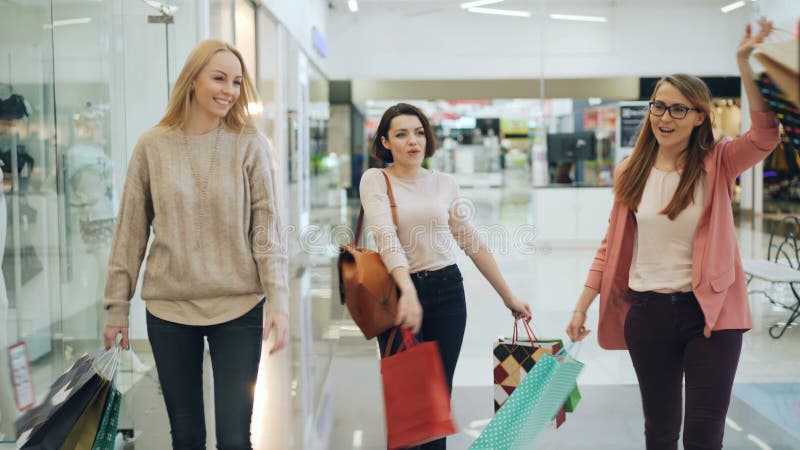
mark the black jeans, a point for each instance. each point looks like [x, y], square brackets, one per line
[444, 309]
[664, 333]
[235, 351]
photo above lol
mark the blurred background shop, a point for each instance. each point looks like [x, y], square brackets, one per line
[532, 108]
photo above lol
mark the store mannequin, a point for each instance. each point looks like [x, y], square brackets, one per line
[90, 180]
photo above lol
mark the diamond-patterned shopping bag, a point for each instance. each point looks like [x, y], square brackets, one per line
[514, 358]
[539, 397]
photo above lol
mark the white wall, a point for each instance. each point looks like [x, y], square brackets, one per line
[438, 40]
[299, 16]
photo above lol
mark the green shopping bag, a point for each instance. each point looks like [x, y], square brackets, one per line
[107, 433]
[85, 429]
[573, 399]
[532, 405]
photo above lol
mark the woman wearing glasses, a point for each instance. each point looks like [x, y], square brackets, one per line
[672, 289]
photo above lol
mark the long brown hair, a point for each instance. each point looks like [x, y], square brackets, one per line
[238, 118]
[630, 184]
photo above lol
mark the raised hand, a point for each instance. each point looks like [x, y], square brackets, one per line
[750, 40]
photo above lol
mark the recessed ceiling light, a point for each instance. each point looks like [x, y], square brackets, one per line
[578, 18]
[353, 5]
[479, 3]
[500, 12]
[732, 6]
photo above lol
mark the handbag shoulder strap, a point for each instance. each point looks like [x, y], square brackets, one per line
[392, 204]
[389, 343]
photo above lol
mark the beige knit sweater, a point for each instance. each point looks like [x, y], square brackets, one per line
[217, 240]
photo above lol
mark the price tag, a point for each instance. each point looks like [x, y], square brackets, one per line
[21, 378]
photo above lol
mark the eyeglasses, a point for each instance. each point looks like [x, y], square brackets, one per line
[676, 111]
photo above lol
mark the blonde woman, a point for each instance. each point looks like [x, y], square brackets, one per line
[204, 180]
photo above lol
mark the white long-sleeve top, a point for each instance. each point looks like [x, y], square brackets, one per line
[432, 220]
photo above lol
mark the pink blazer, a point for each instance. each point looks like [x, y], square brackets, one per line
[718, 280]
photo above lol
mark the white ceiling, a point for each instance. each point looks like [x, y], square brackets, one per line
[436, 39]
[415, 7]
[449, 10]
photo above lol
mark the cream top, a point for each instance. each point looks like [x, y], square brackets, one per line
[662, 254]
[432, 219]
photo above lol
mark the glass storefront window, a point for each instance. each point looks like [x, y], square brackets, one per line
[325, 165]
[28, 208]
[245, 22]
[266, 75]
[221, 16]
[67, 72]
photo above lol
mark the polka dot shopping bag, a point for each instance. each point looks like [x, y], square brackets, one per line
[532, 405]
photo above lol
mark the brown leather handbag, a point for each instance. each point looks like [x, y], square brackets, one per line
[365, 286]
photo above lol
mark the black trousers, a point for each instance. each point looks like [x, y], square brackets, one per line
[235, 352]
[444, 309]
[664, 333]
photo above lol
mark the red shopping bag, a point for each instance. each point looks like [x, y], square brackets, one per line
[415, 393]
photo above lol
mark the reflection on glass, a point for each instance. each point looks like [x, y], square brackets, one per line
[221, 15]
[245, 17]
[66, 68]
[324, 166]
[27, 199]
[89, 193]
[83, 92]
[267, 74]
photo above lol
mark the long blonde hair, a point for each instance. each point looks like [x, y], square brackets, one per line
[630, 185]
[238, 118]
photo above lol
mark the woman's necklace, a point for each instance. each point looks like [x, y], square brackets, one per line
[213, 158]
[204, 181]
